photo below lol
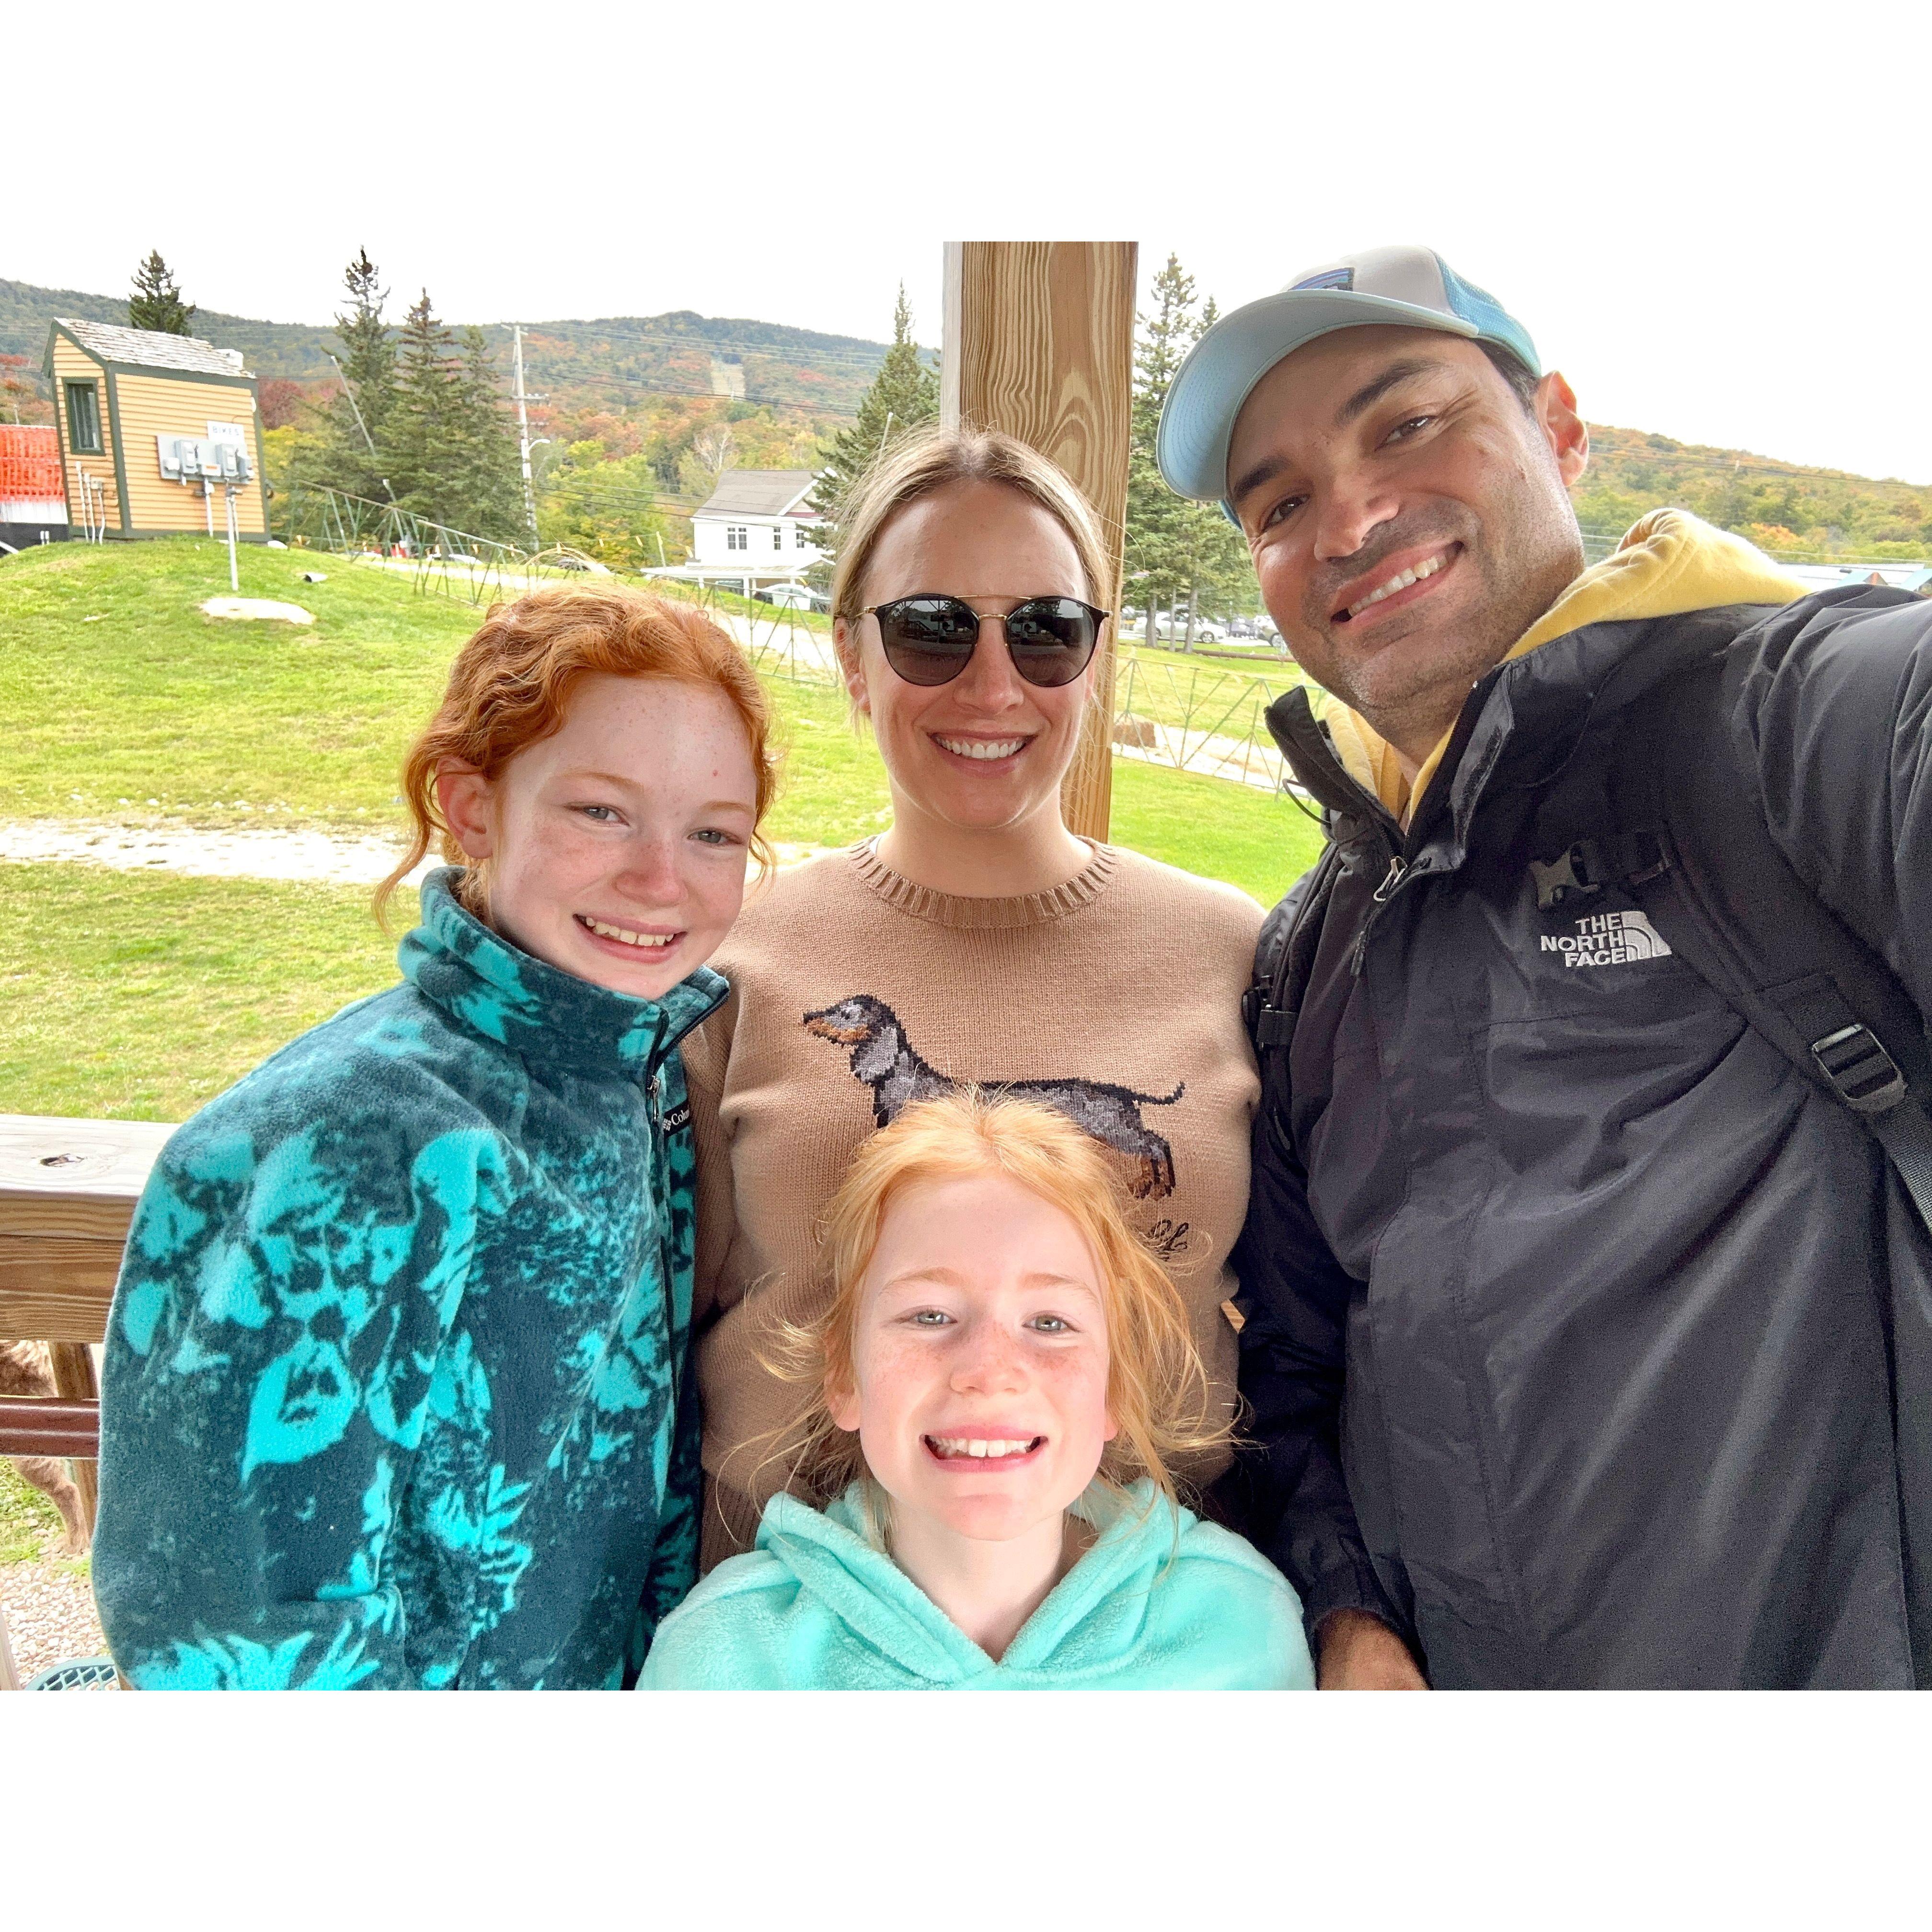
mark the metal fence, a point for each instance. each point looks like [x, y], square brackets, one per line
[439, 558]
[1192, 718]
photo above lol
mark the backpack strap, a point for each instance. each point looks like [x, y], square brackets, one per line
[1698, 858]
[1286, 958]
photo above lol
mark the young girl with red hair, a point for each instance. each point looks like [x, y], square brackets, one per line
[998, 1387]
[396, 1391]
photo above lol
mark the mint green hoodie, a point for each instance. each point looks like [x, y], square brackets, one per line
[815, 1607]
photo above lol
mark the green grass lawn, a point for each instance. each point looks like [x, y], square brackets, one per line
[27, 1519]
[139, 995]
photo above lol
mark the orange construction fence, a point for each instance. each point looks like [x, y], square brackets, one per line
[30, 464]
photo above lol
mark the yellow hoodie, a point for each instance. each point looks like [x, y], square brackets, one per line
[1669, 563]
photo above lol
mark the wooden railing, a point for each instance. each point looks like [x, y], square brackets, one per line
[67, 1191]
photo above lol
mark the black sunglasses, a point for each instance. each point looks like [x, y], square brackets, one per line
[930, 639]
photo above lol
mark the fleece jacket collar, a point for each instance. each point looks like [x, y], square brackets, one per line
[1669, 563]
[828, 1553]
[548, 1017]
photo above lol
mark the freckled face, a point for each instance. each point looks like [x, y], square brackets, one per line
[981, 1358]
[618, 845]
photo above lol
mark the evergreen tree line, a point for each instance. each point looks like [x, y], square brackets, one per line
[420, 420]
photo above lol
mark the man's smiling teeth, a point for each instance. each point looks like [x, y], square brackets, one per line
[979, 1445]
[626, 937]
[980, 747]
[1428, 567]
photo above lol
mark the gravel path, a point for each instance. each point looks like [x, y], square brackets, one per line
[333, 858]
[50, 1616]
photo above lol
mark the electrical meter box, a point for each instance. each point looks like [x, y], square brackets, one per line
[189, 459]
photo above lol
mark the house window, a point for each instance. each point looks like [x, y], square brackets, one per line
[798, 542]
[83, 419]
[777, 536]
[737, 537]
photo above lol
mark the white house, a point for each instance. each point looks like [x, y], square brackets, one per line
[757, 524]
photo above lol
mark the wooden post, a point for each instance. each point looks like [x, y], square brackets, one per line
[1040, 343]
[73, 1378]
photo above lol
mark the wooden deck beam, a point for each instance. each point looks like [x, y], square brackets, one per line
[1040, 343]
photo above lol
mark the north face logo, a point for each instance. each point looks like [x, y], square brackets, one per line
[1608, 939]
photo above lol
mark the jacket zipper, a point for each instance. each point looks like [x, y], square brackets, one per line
[1387, 829]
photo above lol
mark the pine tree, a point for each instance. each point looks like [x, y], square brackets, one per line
[1153, 537]
[1175, 549]
[157, 303]
[356, 426]
[424, 445]
[903, 395]
[486, 477]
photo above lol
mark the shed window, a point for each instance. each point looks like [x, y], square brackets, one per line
[83, 419]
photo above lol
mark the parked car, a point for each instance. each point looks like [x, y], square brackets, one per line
[793, 597]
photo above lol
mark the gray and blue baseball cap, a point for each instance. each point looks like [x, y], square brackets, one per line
[1414, 288]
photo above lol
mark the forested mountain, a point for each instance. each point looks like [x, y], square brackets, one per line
[1806, 514]
[583, 365]
[675, 399]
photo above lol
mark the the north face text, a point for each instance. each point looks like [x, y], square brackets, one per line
[1608, 939]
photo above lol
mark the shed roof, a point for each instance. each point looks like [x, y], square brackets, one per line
[153, 349]
[756, 492]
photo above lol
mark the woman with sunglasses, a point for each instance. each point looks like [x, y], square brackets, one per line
[977, 940]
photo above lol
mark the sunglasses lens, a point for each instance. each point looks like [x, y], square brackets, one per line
[928, 640]
[1052, 640]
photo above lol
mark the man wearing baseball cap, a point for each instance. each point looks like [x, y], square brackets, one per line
[1587, 1284]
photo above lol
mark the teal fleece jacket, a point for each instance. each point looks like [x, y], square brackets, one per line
[396, 1391]
[816, 1607]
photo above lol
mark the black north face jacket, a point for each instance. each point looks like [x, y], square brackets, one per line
[1571, 1307]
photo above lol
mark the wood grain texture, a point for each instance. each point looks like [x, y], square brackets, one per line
[73, 1180]
[56, 1290]
[1040, 343]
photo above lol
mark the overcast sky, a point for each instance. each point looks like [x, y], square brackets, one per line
[1714, 219]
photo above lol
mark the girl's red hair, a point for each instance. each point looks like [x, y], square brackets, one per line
[511, 683]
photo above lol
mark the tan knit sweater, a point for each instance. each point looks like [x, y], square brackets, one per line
[854, 992]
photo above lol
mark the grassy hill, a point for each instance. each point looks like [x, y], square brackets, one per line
[1806, 514]
[140, 994]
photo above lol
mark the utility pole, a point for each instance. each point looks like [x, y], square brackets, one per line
[524, 400]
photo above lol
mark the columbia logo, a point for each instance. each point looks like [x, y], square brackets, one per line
[1608, 939]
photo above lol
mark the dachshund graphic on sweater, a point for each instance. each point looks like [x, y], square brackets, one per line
[883, 1057]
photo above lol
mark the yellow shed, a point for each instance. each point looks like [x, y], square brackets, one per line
[130, 404]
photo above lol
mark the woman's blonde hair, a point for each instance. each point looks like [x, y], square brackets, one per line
[1157, 1391]
[510, 684]
[928, 459]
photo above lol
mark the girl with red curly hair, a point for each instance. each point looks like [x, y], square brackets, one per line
[396, 1391]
